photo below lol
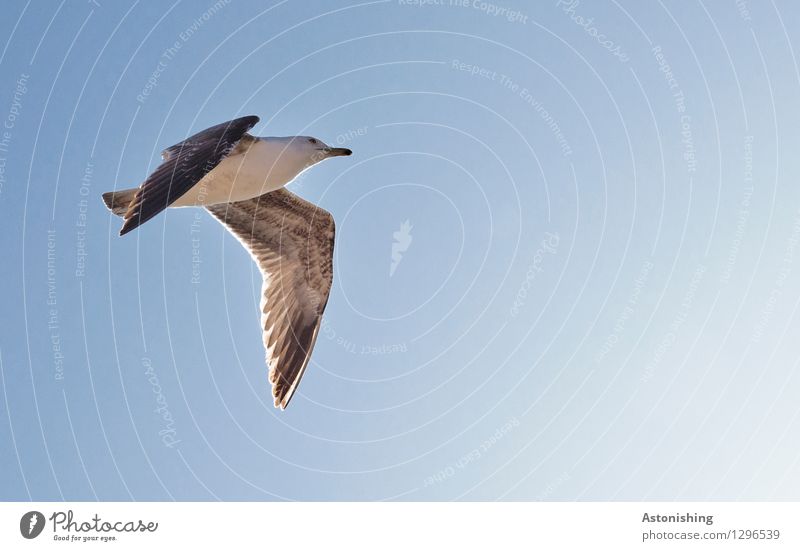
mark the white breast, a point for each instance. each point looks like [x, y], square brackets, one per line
[265, 166]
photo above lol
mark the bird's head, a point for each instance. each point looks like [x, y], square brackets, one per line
[314, 150]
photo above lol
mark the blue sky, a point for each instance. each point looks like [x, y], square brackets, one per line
[597, 297]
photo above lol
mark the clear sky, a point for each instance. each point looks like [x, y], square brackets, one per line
[567, 260]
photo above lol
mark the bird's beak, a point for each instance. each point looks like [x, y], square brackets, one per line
[337, 151]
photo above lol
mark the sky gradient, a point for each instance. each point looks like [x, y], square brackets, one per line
[566, 263]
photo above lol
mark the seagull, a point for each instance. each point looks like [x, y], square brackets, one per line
[240, 179]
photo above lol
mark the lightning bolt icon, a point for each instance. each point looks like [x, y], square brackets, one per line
[402, 240]
[33, 523]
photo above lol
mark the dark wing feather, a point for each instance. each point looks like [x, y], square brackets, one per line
[291, 240]
[184, 165]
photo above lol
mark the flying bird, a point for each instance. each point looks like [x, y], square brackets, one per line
[239, 179]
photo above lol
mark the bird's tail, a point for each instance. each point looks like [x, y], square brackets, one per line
[118, 201]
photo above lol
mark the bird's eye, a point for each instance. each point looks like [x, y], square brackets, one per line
[312, 140]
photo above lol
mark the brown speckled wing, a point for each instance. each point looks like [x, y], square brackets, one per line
[291, 240]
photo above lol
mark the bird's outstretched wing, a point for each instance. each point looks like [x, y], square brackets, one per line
[291, 240]
[184, 165]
